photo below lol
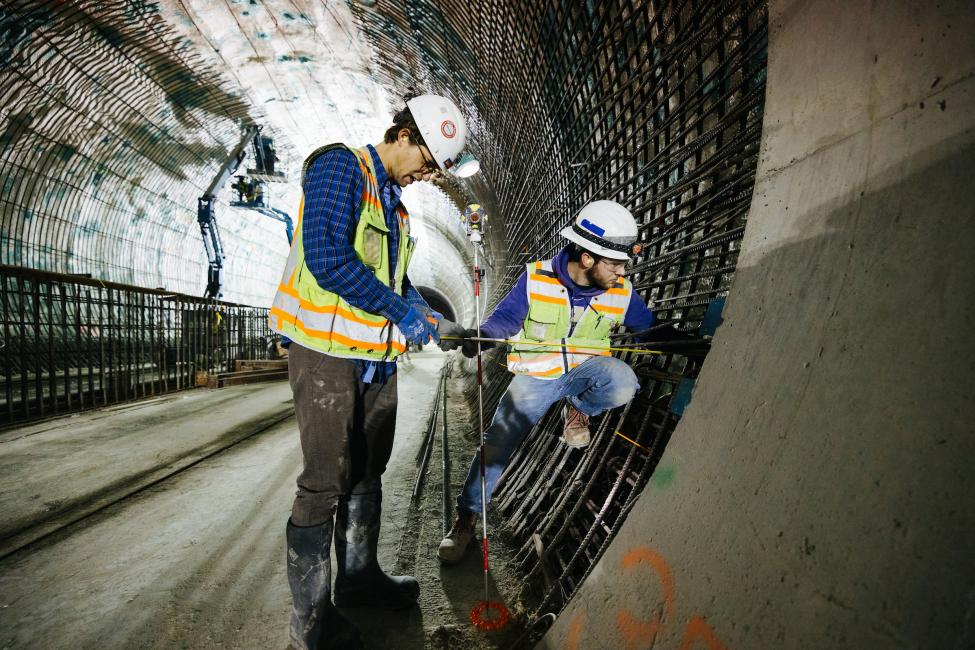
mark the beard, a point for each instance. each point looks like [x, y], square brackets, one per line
[594, 281]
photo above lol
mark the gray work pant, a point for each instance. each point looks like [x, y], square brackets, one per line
[346, 429]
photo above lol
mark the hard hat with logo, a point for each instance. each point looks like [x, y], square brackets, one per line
[605, 228]
[442, 126]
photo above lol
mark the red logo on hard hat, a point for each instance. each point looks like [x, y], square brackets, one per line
[448, 128]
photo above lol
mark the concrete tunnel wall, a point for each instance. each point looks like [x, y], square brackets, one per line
[822, 492]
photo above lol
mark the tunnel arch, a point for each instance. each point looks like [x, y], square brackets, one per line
[655, 104]
[115, 115]
[438, 302]
[819, 490]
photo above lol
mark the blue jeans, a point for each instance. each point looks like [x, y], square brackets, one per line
[597, 385]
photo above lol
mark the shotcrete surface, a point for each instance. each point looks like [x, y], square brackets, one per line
[823, 473]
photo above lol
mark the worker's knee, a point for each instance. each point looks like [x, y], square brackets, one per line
[621, 393]
[313, 509]
[368, 485]
[616, 381]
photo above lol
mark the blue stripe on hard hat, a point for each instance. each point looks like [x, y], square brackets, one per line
[593, 228]
[599, 241]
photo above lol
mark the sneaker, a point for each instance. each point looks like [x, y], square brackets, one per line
[454, 545]
[575, 431]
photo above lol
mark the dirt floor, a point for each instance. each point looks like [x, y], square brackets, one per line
[196, 560]
[449, 594]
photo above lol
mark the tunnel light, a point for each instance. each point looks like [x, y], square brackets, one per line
[467, 166]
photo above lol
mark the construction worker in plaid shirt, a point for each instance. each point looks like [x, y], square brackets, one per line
[347, 307]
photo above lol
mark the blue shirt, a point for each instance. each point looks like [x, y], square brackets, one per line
[508, 317]
[333, 195]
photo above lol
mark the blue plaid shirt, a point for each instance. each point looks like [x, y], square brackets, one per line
[333, 195]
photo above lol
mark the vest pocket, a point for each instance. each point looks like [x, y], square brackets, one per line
[373, 245]
[595, 325]
[544, 321]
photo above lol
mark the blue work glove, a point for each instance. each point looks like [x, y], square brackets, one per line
[417, 329]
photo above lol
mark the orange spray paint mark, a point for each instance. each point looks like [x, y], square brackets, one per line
[490, 622]
[636, 633]
[699, 630]
[575, 633]
[643, 555]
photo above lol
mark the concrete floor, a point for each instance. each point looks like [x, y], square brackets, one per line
[180, 543]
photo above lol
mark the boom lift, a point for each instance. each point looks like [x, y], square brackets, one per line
[250, 194]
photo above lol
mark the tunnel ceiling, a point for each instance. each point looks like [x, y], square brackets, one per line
[110, 127]
[117, 116]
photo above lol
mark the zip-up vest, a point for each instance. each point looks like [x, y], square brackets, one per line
[549, 320]
[324, 321]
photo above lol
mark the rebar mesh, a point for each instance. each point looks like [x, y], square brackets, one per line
[657, 104]
[110, 130]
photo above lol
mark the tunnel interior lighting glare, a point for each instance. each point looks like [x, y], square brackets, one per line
[467, 166]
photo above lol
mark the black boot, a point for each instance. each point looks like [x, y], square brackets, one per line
[315, 623]
[360, 582]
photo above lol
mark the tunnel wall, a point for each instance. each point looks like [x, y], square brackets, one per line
[821, 477]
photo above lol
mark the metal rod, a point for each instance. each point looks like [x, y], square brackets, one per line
[423, 457]
[553, 344]
[444, 463]
[480, 409]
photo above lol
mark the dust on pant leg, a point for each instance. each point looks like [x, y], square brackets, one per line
[611, 383]
[622, 387]
[326, 392]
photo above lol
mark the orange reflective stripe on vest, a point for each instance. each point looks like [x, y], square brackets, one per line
[550, 317]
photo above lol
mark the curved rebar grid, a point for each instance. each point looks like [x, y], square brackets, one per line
[654, 104]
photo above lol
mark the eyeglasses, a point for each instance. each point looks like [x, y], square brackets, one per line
[429, 164]
[617, 266]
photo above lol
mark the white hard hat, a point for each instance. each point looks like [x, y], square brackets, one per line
[442, 126]
[605, 228]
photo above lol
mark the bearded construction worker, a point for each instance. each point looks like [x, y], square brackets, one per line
[578, 298]
[346, 304]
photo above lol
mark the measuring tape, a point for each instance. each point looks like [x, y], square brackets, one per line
[553, 344]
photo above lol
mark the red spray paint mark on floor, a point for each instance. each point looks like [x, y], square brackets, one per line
[495, 621]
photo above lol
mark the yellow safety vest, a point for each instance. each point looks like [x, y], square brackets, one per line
[549, 320]
[324, 321]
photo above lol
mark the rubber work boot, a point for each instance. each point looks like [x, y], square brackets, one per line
[454, 545]
[360, 582]
[575, 430]
[315, 623]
